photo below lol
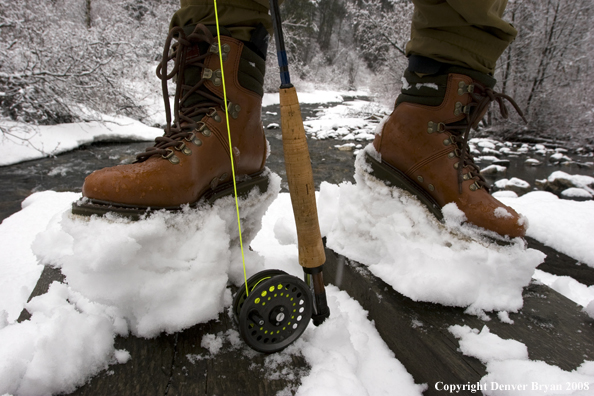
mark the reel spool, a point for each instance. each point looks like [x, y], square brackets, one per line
[276, 311]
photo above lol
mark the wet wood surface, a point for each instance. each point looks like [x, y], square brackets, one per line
[554, 329]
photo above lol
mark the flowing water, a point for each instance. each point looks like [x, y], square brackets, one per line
[66, 172]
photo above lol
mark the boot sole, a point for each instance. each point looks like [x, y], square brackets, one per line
[89, 207]
[392, 177]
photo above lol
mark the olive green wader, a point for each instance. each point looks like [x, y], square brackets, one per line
[468, 33]
[240, 17]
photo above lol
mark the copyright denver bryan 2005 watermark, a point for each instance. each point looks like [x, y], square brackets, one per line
[496, 386]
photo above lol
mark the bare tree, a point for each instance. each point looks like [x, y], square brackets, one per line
[60, 59]
[548, 68]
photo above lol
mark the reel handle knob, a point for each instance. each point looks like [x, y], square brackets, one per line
[256, 318]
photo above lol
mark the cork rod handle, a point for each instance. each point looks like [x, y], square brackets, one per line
[300, 179]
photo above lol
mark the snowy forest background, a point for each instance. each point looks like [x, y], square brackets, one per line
[65, 60]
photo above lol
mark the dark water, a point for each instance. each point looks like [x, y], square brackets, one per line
[66, 172]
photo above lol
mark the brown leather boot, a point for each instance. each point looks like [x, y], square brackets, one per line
[191, 162]
[423, 147]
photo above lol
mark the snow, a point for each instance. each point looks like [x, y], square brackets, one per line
[65, 342]
[23, 144]
[493, 169]
[345, 121]
[567, 286]
[486, 346]
[571, 221]
[574, 192]
[510, 372]
[578, 181]
[392, 233]
[348, 357]
[532, 162]
[157, 272]
[313, 97]
[514, 181]
[19, 269]
[171, 271]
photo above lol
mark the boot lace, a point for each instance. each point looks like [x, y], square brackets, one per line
[184, 122]
[481, 99]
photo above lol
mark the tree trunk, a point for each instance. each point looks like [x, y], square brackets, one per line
[88, 13]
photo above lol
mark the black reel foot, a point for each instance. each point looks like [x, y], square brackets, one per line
[275, 312]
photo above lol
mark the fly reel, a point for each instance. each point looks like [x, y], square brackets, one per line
[275, 312]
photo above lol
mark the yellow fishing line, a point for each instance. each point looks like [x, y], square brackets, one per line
[247, 292]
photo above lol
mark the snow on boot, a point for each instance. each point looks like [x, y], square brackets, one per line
[423, 147]
[190, 164]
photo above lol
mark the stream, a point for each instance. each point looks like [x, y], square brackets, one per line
[66, 172]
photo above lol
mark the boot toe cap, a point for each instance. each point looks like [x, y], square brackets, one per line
[140, 184]
[496, 217]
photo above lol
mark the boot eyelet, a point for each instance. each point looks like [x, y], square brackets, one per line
[207, 74]
[461, 109]
[214, 115]
[203, 129]
[456, 165]
[455, 153]
[171, 157]
[447, 142]
[214, 49]
[193, 139]
[218, 77]
[431, 187]
[474, 186]
[183, 148]
[234, 110]
[197, 141]
[464, 89]
[435, 127]
[420, 178]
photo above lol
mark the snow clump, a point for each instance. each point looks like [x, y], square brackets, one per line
[394, 234]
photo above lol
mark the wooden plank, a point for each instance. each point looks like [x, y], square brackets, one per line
[561, 264]
[167, 364]
[553, 328]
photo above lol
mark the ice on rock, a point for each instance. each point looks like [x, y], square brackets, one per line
[514, 181]
[493, 169]
[394, 234]
[576, 193]
[578, 181]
